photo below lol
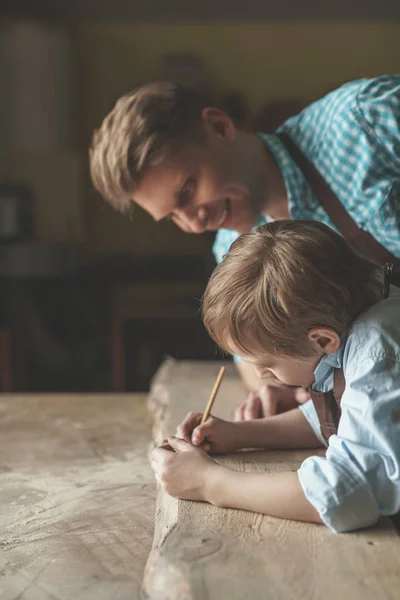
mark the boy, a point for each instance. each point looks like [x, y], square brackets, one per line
[304, 309]
[172, 152]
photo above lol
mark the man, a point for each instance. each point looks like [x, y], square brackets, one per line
[167, 149]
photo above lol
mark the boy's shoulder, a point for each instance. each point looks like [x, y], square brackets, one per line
[376, 332]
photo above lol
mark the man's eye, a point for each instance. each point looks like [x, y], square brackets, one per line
[190, 184]
[187, 191]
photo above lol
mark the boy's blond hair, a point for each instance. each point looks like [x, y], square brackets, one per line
[282, 279]
[144, 128]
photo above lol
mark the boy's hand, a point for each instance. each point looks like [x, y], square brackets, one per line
[215, 435]
[185, 471]
[270, 400]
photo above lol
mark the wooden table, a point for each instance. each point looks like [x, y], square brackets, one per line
[77, 506]
[77, 497]
[202, 552]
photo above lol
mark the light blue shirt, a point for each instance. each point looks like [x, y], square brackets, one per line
[359, 478]
[352, 136]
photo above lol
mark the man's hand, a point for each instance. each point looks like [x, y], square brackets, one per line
[215, 435]
[185, 471]
[270, 400]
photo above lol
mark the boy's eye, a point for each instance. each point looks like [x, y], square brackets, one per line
[265, 374]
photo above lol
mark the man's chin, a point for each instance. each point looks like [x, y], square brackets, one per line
[242, 227]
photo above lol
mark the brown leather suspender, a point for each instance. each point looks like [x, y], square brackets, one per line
[362, 241]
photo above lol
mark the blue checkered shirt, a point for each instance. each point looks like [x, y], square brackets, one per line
[352, 136]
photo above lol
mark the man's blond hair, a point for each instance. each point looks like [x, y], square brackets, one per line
[145, 127]
[281, 280]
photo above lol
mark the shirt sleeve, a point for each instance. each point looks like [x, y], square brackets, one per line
[223, 241]
[384, 225]
[308, 410]
[378, 112]
[378, 104]
[359, 479]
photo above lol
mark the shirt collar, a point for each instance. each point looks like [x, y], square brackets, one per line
[292, 176]
[323, 373]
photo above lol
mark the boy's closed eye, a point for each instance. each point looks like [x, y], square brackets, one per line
[264, 371]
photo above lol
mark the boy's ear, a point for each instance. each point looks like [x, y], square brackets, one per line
[324, 339]
[218, 123]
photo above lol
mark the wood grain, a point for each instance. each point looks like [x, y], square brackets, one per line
[77, 497]
[202, 552]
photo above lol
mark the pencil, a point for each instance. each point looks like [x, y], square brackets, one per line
[209, 406]
[210, 402]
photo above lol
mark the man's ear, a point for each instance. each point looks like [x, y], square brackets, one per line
[324, 339]
[218, 123]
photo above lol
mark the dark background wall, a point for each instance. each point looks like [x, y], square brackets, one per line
[66, 67]
[210, 9]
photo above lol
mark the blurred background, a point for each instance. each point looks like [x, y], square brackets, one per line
[93, 301]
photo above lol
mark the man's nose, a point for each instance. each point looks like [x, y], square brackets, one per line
[195, 218]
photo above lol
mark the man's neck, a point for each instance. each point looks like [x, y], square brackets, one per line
[263, 177]
[276, 199]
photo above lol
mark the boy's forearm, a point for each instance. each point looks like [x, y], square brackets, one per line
[274, 494]
[286, 430]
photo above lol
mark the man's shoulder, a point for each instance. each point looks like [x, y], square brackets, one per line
[378, 105]
[384, 89]
[326, 107]
[375, 100]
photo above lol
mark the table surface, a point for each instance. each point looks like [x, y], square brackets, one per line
[202, 551]
[77, 496]
[77, 508]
